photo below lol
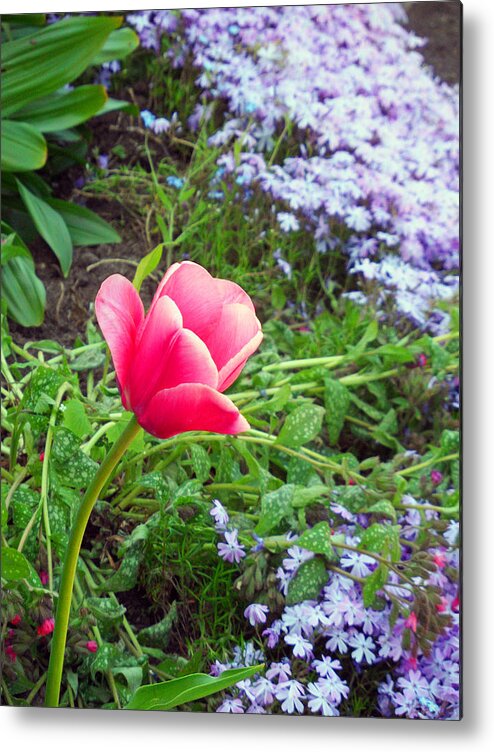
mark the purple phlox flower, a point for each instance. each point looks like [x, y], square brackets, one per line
[391, 646]
[338, 640]
[102, 160]
[359, 564]
[342, 511]
[247, 655]
[290, 693]
[231, 705]
[273, 633]
[415, 682]
[280, 671]
[334, 688]
[259, 545]
[296, 619]
[160, 125]
[231, 551]
[263, 690]
[288, 222]
[283, 579]
[256, 613]
[255, 708]
[302, 648]
[245, 687]
[405, 703]
[318, 700]
[285, 267]
[219, 514]
[296, 557]
[363, 647]
[217, 668]
[326, 666]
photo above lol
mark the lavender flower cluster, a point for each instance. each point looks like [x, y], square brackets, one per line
[377, 170]
[334, 635]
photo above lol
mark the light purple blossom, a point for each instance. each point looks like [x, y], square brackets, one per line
[256, 613]
[232, 550]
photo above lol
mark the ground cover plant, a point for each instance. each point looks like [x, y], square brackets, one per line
[248, 501]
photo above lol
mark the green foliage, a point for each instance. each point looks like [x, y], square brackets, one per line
[169, 695]
[37, 116]
[311, 576]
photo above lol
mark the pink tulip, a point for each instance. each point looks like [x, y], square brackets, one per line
[173, 363]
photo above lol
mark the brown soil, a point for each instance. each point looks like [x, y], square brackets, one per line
[70, 300]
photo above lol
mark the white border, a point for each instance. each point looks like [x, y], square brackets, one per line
[54, 730]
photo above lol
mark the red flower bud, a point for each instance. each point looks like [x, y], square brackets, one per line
[41, 456]
[422, 360]
[16, 620]
[46, 627]
[436, 477]
[43, 576]
[92, 646]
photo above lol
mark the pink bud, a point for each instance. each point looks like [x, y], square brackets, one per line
[411, 622]
[439, 560]
[46, 627]
[43, 576]
[92, 646]
[41, 456]
[436, 477]
[16, 620]
[9, 650]
[441, 607]
[422, 360]
[351, 482]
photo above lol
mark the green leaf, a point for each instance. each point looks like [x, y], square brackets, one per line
[75, 418]
[317, 539]
[105, 609]
[63, 109]
[158, 635]
[373, 583]
[337, 401]
[15, 567]
[23, 147]
[72, 466]
[384, 508]
[450, 441]
[310, 577]
[200, 462]
[301, 426]
[50, 226]
[23, 291]
[84, 226]
[111, 105]
[382, 539]
[43, 62]
[168, 695]
[119, 44]
[275, 506]
[147, 265]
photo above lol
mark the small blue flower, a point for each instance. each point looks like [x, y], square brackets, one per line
[175, 182]
[147, 118]
[233, 29]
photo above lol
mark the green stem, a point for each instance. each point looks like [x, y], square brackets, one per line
[89, 499]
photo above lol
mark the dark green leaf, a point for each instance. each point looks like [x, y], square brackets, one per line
[168, 695]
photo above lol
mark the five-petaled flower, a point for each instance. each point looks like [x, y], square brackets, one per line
[173, 364]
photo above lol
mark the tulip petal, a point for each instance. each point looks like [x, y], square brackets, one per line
[191, 407]
[237, 335]
[193, 290]
[120, 313]
[189, 361]
[153, 343]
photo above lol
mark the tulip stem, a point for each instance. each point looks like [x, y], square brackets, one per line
[89, 499]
